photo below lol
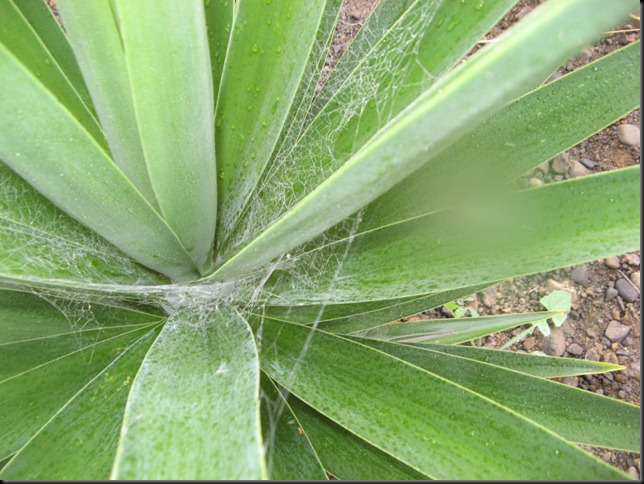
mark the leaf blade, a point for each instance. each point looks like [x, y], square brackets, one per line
[346, 456]
[93, 31]
[289, 454]
[93, 191]
[363, 403]
[197, 388]
[79, 442]
[175, 114]
[441, 255]
[374, 164]
[29, 400]
[450, 331]
[576, 415]
[261, 47]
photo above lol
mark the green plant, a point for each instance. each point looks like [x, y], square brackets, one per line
[202, 257]
[558, 301]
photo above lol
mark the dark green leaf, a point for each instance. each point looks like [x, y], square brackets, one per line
[80, 441]
[289, 455]
[433, 425]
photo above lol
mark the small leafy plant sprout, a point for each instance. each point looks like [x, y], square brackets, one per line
[206, 249]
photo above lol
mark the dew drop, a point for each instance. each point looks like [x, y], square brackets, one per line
[255, 48]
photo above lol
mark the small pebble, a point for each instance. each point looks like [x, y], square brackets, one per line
[575, 349]
[570, 380]
[635, 278]
[611, 293]
[592, 354]
[612, 262]
[535, 182]
[560, 163]
[580, 275]
[489, 296]
[628, 134]
[632, 259]
[616, 331]
[577, 170]
[544, 167]
[555, 343]
[529, 343]
[633, 473]
[588, 163]
[626, 290]
[553, 285]
[610, 357]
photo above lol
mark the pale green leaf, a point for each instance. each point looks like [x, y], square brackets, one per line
[450, 331]
[25, 317]
[46, 26]
[19, 38]
[197, 389]
[21, 357]
[350, 317]
[289, 455]
[458, 102]
[431, 424]
[558, 301]
[41, 244]
[166, 41]
[58, 157]
[346, 456]
[93, 31]
[576, 415]
[80, 441]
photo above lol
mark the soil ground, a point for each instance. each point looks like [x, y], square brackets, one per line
[591, 285]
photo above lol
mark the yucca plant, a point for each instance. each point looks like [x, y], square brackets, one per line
[204, 254]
